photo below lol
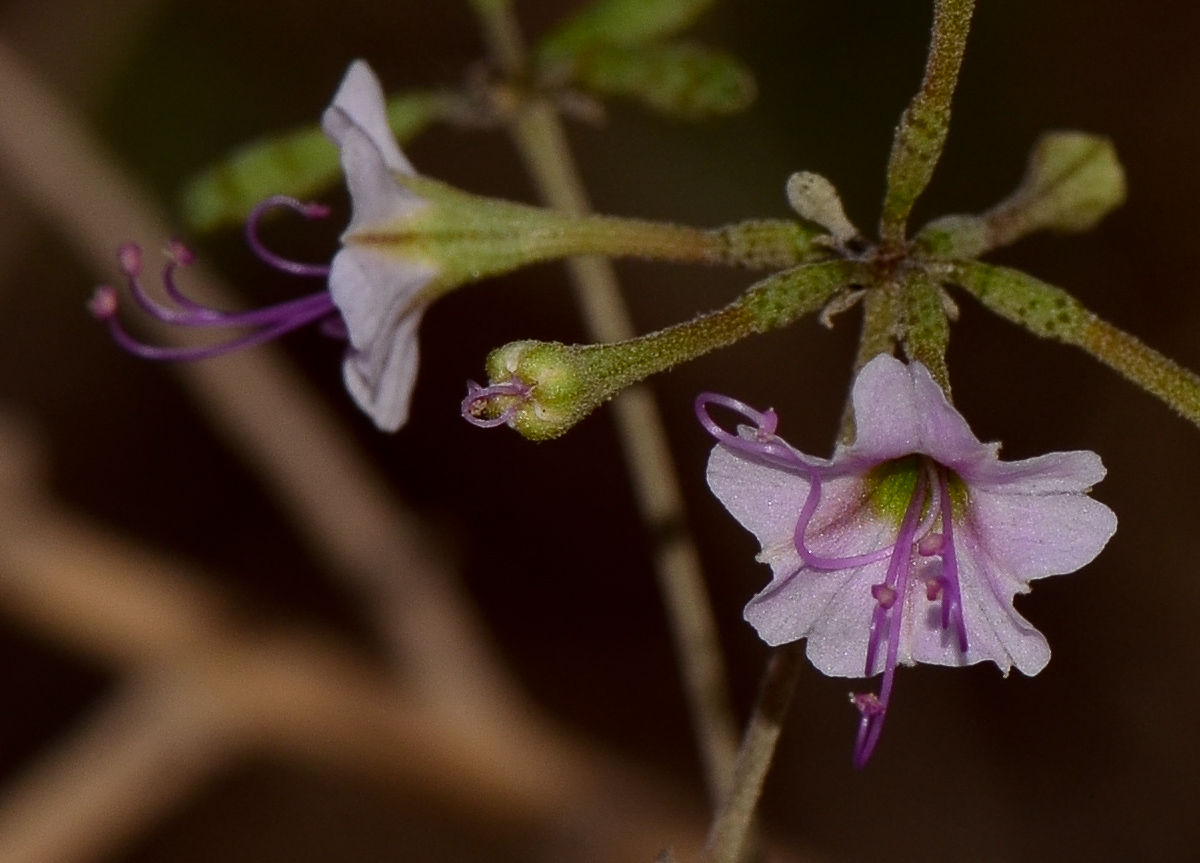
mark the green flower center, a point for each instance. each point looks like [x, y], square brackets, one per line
[891, 486]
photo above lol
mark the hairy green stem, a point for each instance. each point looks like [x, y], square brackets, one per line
[1052, 313]
[774, 302]
[878, 336]
[919, 138]
[926, 327]
[561, 384]
[469, 237]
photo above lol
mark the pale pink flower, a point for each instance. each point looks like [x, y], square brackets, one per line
[910, 543]
[376, 286]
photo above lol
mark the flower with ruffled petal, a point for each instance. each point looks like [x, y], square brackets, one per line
[377, 286]
[910, 543]
[378, 290]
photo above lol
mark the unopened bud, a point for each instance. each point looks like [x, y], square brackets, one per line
[814, 198]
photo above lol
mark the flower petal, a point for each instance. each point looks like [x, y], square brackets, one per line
[996, 632]
[359, 102]
[765, 500]
[379, 300]
[1033, 536]
[1056, 472]
[356, 122]
[831, 609]
[900, 410]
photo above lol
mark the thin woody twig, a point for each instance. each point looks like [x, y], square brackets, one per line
[730, 829]
[542, 143]
[259, 404]
[199, 692]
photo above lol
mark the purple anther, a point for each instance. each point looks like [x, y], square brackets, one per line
[103, 304]
[866, 703]
[930, 544]
[510, 396]
[884, 595]
[129, 256]
[180, 254]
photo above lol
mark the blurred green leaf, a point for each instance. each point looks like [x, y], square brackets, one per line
[620, 22]
[302, 163]
[678, 79]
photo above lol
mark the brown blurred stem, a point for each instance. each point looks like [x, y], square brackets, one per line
[542, 142]
[727, 837]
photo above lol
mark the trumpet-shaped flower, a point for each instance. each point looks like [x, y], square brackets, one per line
[376, 293]
[910, 543]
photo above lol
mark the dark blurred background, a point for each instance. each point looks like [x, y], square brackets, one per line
[1096, 758]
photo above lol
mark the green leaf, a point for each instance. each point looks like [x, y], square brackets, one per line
[680, 80]
[620, 22]
[302, 163]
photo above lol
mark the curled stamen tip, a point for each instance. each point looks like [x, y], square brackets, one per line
[495, 405]
[129, 256]
[180, 254]
[103, 304]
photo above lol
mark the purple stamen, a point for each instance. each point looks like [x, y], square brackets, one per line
[308, 210]
[269, 323]
[871, 724]
[951, 593]
[815, 561]
[478, 399]
[764, 446]
[765, 422]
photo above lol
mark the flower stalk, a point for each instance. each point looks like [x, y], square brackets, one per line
[1052, 313]
[927, 326]
[924, 125]
[561, 384]
[469, 237]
